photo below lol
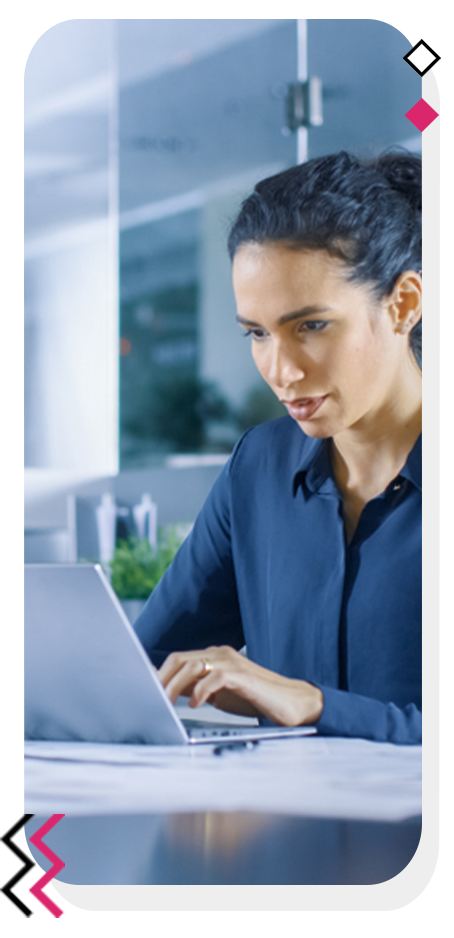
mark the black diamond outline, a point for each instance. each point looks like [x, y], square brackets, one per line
[24, 855]
[415, 67]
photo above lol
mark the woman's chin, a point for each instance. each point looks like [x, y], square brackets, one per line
[317, 429]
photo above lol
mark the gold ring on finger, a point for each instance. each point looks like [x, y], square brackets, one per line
[207, 667]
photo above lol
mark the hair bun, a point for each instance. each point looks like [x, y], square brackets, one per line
[402, 172]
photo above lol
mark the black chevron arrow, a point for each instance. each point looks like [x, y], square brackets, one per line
[23, 853]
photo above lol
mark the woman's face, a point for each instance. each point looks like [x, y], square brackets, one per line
[331, 353]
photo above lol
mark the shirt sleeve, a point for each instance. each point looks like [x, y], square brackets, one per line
[195, 604]
[348, 714]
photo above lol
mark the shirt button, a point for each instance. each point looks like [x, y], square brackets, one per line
[397, 486]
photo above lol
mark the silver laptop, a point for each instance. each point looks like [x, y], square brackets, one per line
[87, 676]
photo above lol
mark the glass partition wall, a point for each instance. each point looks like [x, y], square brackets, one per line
[201, 120]
[142, 137]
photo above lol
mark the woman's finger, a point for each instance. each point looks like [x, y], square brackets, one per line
[183, 680]
[221, 678]
[173, 664]
[215, 681]
[206, 659]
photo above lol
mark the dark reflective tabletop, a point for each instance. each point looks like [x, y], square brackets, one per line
[227, 848]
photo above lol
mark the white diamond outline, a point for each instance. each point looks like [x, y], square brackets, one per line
[415, 48]
[417, 54]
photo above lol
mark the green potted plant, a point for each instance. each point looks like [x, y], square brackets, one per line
[136, 567]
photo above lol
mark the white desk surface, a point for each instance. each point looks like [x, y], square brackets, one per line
[311, 777]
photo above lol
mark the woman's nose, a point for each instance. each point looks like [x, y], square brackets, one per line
[285, 366]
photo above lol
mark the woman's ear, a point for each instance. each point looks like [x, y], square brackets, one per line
[405, 301]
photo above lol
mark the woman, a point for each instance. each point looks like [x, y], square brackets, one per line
[308, 548]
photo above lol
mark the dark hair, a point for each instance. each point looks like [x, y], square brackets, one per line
[367, 213]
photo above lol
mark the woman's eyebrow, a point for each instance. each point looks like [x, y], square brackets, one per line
[288, 317]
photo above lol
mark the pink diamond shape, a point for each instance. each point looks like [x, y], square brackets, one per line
[421, 114]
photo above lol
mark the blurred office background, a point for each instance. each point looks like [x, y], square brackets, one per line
[141, 139]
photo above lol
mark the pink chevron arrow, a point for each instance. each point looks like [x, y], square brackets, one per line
[38, 888]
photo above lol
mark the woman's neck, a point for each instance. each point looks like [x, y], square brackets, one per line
[367, 457]
[364, 469]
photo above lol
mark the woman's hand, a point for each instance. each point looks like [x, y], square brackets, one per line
[227, 680]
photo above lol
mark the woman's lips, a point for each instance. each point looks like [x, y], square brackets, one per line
[305, 407]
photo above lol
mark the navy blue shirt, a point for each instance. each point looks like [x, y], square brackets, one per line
[267, 565]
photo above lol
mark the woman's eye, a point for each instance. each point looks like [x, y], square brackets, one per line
[313, 325]
[255, 333]
[309, 325]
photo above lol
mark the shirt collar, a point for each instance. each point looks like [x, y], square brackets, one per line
[314, 468]
[413, 467]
